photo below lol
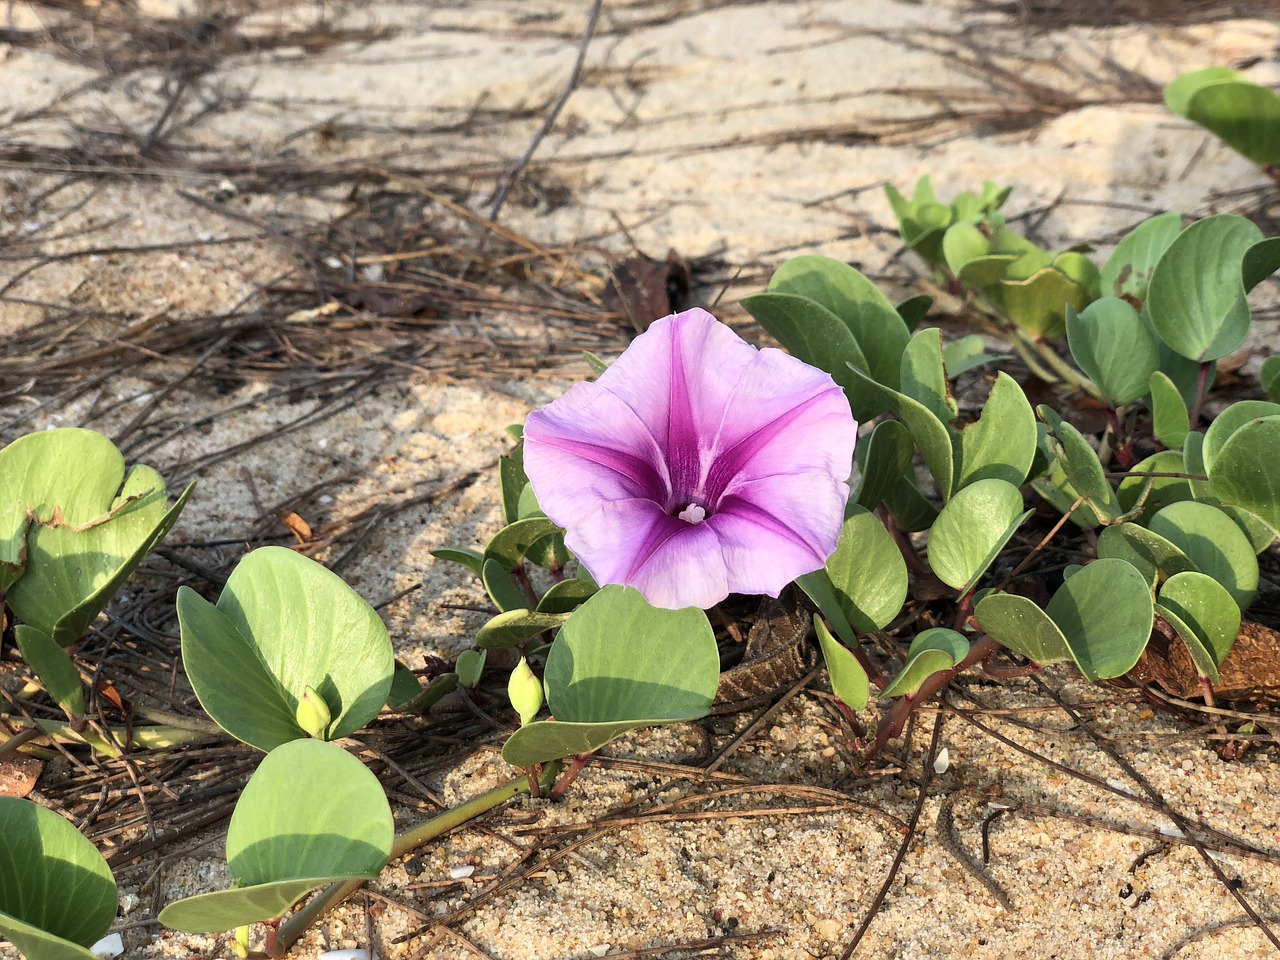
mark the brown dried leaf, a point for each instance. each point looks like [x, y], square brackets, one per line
[18, 776]
[296, 525]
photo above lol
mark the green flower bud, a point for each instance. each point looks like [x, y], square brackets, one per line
[469, 666]
[525, 691]
[312, 713]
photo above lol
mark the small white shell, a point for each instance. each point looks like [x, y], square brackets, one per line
[358, 954]
[109, 947]
[462, 872]
[942, 762]
[599, 950]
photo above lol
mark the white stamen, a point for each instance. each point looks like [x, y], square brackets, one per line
[692, 514]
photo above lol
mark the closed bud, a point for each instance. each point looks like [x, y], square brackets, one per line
[525, 691]
[469, 666]
[312, 713]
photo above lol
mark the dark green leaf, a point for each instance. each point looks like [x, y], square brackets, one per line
[922, 377]
[1105, 613]
[1170, 420]
[473, 560]
[884, 458]
[1214, 543]
[972, 529]
[867, 573]
[1114, 347]
[57, 895]
[52, 664]
[1128, 271]
[1001, 444]
[931, 651]
[1019, 624]
[516, 626]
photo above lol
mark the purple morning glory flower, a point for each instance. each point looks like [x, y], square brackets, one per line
[696, 466]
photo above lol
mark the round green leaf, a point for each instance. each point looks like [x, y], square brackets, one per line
[849, 681]
[1243, 115]
[864, 583]
[1205, 607]
[57, 895]
[1002, 443]
[1114, 347]
[931, 651]
[282, 624]
[1230, 420]
[669, 674]
[1018, 623]
[1197, 297]
[94, 523]
[310, 814]
[1246, 472]
[1214, 543]
[310, 810]
[972, 529]
[1128, 270]
[1105, 613]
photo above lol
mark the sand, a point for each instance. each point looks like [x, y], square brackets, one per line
[737, 134]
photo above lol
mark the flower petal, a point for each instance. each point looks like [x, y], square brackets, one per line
[672, 562]
[587, 447]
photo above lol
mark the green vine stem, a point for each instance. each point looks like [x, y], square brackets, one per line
[1063, 371]
[144, 738]
[328, 898]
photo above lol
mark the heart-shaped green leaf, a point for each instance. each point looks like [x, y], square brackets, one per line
[1001, 444]
[1205, 616]
[1018, 623]
[848, 680]
[1197, 298]
[870, 317]
[1243, 115]
[1105, 613]
[1128, 270]
[310, 814]
[669, 674]
[282, 624]
[1114, 347]
[57, 895]
[931, 651]
[817, 336]
[93, 524]
[972, 529]
[514, 627]
[1214, 543]
[866, 574]
[884, 457]
[53, 666]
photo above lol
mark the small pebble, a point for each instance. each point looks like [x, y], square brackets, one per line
[599, 950]
[462, 872]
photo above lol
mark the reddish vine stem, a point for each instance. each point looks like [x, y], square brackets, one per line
[895, 718]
